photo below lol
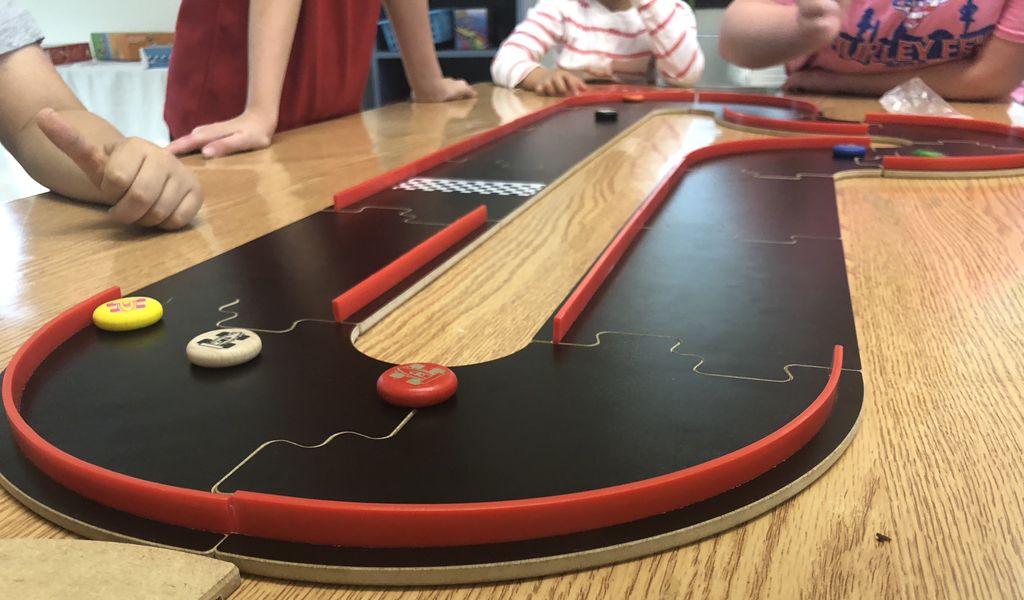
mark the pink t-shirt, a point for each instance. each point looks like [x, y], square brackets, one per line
[881, 35]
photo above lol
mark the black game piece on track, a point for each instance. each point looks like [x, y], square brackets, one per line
[606, 115]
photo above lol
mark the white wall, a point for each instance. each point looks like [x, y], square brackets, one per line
[70, 21]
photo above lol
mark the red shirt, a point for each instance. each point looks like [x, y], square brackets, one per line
[329, 65]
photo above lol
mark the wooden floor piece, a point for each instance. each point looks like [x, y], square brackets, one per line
[87, 570]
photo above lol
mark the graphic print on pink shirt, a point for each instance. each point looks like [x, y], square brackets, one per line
[902, 34]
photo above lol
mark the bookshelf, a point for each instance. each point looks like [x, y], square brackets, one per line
[387, 79]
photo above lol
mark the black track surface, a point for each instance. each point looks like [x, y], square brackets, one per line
[747, 272]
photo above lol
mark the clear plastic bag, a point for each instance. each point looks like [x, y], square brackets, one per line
[914, 97]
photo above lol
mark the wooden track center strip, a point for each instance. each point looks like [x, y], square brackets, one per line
[537, 257]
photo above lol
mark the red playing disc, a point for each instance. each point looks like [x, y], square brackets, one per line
[633, 98]
[417, 385]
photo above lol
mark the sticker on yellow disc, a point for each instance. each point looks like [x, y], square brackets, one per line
[126, 314]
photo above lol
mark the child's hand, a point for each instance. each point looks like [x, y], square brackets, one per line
[819, 20]
[553, 83]
[145, 184]
[248, 131]
[446, 90]
[810, 81]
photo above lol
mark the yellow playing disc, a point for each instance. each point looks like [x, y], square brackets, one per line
[126, 314]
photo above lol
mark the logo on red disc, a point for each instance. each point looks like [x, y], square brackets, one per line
[416, 385]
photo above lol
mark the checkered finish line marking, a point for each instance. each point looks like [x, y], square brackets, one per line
[470, 186]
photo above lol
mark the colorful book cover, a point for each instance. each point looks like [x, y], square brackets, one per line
[471, 29]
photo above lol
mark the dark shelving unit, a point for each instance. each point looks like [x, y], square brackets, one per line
[387, 79]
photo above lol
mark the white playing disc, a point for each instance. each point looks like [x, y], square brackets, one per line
[223, 348]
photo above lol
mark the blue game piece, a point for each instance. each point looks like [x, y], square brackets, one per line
[849, 151]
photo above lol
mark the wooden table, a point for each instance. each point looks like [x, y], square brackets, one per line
[937, 276]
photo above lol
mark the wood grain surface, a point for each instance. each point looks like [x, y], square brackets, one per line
[492, 303]
[937, 276]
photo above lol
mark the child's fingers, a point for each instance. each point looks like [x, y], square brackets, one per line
[166, 203]
[123, 166]
[185, 145]
[464, 91]
[91, 159]
[142, 194]
[577, 84]
[240, 141]
[559, 85]
[187, 210]
[814, 8]
[201, 137]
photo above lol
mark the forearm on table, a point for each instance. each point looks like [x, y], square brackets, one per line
[51, 167]
[517, 62]
[995, 72]
[534, 78]
[272, 25]
[411, 22]
[517, 66]
[31, 83]
[757, 34]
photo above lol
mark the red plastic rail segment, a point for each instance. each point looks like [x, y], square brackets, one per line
[224, 513]
[350, 196]
[605, 264]
[392, 525]
[808, 108]
[951, 163]
[178, 506]
[946, 123]
[616, 94]
[32, 353]
[820, 127]
[361, 191]
[954, 163]
[372, 287]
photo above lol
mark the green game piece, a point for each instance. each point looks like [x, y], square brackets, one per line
[927, 153]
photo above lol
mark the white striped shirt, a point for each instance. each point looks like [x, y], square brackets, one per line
[655, 37]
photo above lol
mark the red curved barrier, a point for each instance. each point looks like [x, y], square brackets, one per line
[347, 303]
[946, 123]
[605, 264]
[388, 525]
[996, 162]
[350, 196]
[818, 127]
[177, 506]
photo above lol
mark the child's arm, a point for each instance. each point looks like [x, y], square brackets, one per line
[762, 33]
[85, 157]
[673, 30]
[272, 25]
[517, 63]
[995, 72]
[411, 21]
